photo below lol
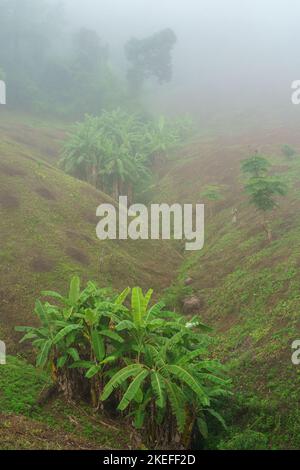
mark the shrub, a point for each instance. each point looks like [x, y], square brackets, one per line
[247, 440]
[288, 151]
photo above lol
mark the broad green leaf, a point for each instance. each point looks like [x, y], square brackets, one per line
[158, 388]
[91, 317]
[218, 417]
[74, 291]
[125, 325]
[109, 359]
[28, 336]
[177, 405]
[81, 365]
[202, 426]
[123, 296]
[44, 353]
[112, 335]
[186, 377]
[139, 417]
[67, 313]
[61, 361]
[64, 332]
[74, 354]
[147, 299]
[133, 389]
[23, 329]
[137, 300]
[119, 378]
[40, 310]
[93, 371]
[98, 345]
[139, 396]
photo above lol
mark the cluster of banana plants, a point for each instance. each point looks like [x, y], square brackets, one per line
[151, 363]
[115, 151]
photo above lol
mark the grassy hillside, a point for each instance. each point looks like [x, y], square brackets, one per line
[249, 288]
[48, 234]
[55, 425]
[47, 228]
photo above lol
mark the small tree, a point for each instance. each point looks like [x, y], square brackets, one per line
[288, 151]
[262, 189]
[211, 194]
[150, 57]
[255, 166]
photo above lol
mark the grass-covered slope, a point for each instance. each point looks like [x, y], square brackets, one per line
[250, 289]
[26, 424]
[48, 234]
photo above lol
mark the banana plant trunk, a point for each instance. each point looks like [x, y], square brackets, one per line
[94, 176]
[130, 193]
[73, 384]
[267, 228]
[116, 186]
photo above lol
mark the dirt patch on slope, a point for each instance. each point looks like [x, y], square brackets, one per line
[8, 201]
[46, 194]
[78, 256]
[11, 171]
[20, 433]
[41, 265]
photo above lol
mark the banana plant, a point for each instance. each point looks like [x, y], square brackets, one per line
[155, 362]
[162, 386]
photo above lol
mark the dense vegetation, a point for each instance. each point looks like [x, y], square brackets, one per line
[116, 151]
[152, 361]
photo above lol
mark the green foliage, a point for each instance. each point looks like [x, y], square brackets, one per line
[262, 188]
[175, 295]
[256, 166]
[246, 440]
[107, 151]
[151, 360]
[211, 193]
[114, 151]
[288, 151]
[47, 69]
[262, 192]
[150, 57]
[20, 385]
[161, 136]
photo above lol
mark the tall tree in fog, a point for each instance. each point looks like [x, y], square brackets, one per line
[150, 58]
[26, 30]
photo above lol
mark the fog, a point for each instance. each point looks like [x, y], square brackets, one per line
[233, 52]
[231, 56]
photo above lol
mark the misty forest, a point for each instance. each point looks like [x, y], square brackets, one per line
[139, 343]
